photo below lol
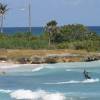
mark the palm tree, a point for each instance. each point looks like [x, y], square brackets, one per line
[3, 10]
[50, 29]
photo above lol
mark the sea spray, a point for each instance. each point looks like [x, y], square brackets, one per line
[75, 82]
[37, 95]
[5, 91]
[37, 69]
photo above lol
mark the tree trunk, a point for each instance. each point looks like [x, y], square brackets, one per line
[49, 40]
[1, 28]
[30, 29]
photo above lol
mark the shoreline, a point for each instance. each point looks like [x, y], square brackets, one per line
[11, 67]
[21, 56]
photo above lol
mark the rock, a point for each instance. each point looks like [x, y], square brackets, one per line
[23, 60]
[88, 59]
[50, 60]
[53, 58]
[3, 59]
[37, 60]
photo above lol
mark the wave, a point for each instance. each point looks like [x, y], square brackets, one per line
[37, 95]
[74, 70]
[5, 91]
[37, 69]
[68, 70]
[22, 94]
[75, 82]
[43, 66]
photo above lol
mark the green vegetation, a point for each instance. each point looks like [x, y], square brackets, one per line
[21, 41]
[75, 37]
[51, 29]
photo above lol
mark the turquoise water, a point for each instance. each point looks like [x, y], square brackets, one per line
[62, 81]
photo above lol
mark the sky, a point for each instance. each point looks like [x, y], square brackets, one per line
[85, 12]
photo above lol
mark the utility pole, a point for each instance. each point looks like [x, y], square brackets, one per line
[29, 8]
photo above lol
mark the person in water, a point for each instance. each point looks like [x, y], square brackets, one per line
[86, 75]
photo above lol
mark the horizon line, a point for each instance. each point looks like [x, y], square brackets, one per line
[44, 26]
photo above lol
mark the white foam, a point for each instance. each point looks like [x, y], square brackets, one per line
[91, 80]
[42, 66]
[37, 69]
[74, 82]
[37, 95]
[5, 91]
[68, 70]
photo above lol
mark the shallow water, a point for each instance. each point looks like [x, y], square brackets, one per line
[62, 81]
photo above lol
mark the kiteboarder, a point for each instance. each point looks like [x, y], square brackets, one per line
[86, 75]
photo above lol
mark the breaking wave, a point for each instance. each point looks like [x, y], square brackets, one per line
[76, 82]
[42, 66]
[5, 91]
[22, 94]
[37, 95]
[68, 70]
[37, 69]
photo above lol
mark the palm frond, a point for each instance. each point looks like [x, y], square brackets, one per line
[3, 9]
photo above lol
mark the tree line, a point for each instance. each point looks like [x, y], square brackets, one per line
[68, 32]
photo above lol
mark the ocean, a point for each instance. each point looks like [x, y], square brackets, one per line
[61, 81]
[95, 29]
[39, 30]
[12, 30]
